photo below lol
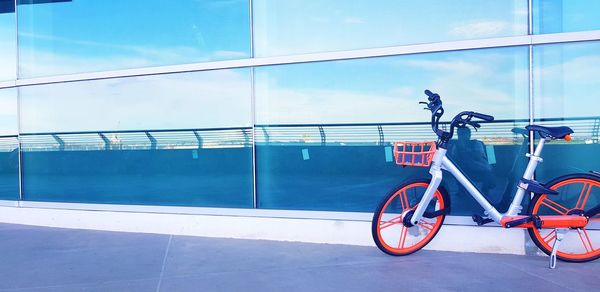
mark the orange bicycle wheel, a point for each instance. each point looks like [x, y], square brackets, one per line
[390, 233]
[577, 193]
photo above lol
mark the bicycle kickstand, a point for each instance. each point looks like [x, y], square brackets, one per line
[560, 234]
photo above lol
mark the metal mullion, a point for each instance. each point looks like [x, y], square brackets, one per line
[253, 108]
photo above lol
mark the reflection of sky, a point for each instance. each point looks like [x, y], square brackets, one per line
[8, 55]
[8, 111]
[553, 16]
[493, 81]
[176, 101]
[297, 26]
[566, 80]
[90, 35]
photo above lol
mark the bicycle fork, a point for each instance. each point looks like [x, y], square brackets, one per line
[436, 179]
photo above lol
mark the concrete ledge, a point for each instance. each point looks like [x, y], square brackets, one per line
[450, 238]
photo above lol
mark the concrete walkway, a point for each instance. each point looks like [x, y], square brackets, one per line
[50, 259]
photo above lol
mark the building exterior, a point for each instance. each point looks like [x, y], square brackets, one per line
[278, 109]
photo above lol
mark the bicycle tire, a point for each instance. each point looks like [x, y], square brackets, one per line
[408, 195]
[580, 191]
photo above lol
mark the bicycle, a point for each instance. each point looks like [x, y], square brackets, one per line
[562, 214]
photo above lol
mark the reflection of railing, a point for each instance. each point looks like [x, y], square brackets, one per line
[496, 132]
[373, 133]
[9, 143]
[138, 140]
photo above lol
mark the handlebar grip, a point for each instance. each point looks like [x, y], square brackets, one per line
[483, 116]
[432, 97]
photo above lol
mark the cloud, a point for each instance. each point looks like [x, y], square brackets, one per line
[482, 28]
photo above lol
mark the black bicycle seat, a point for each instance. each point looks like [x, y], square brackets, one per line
[551, 132]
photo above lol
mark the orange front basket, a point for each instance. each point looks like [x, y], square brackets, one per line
[414, 153]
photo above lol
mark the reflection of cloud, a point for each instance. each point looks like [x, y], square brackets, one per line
[578, 70]
[36, 61]
[275, 105]
[455, 67]
[221, 3]
[568, 86]
[208, 99]
[43, 63]
[8, 111]
[521, 12]
[8, 62]
[230, 54]
[354, 20]
[287, 106]
[489, 81]
[484, 28]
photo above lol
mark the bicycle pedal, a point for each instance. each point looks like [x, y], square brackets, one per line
[480, 220]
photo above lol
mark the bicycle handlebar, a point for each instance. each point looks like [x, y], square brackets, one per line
[483, 116]
[461, 120]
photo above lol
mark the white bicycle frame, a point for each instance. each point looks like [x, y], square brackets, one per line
[441, 162]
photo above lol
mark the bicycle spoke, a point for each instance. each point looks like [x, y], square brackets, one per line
[577, 194]
[553, 233]
[588, 239]
[402, 237]
[583, 196]
[586, 242]
[546, 202]
[404, 200]
[393, 221]
[425, 226]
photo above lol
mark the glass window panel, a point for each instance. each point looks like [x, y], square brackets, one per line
[8, 40]
[301, 26]
[178, 139]
[554, 16]
[325, 129]
[9, 145]
[566, 93]
[75, 36]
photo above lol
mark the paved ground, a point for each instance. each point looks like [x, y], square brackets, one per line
[50, 259]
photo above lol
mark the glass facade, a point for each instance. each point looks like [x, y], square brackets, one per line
[175, 139]
[349, 171]
[554, 16]
[92, 35]
[301, 26]
[275, 127]
[8, 40]
[567, 92]
[9, 145]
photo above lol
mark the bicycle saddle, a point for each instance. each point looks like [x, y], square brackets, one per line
[550, 132]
